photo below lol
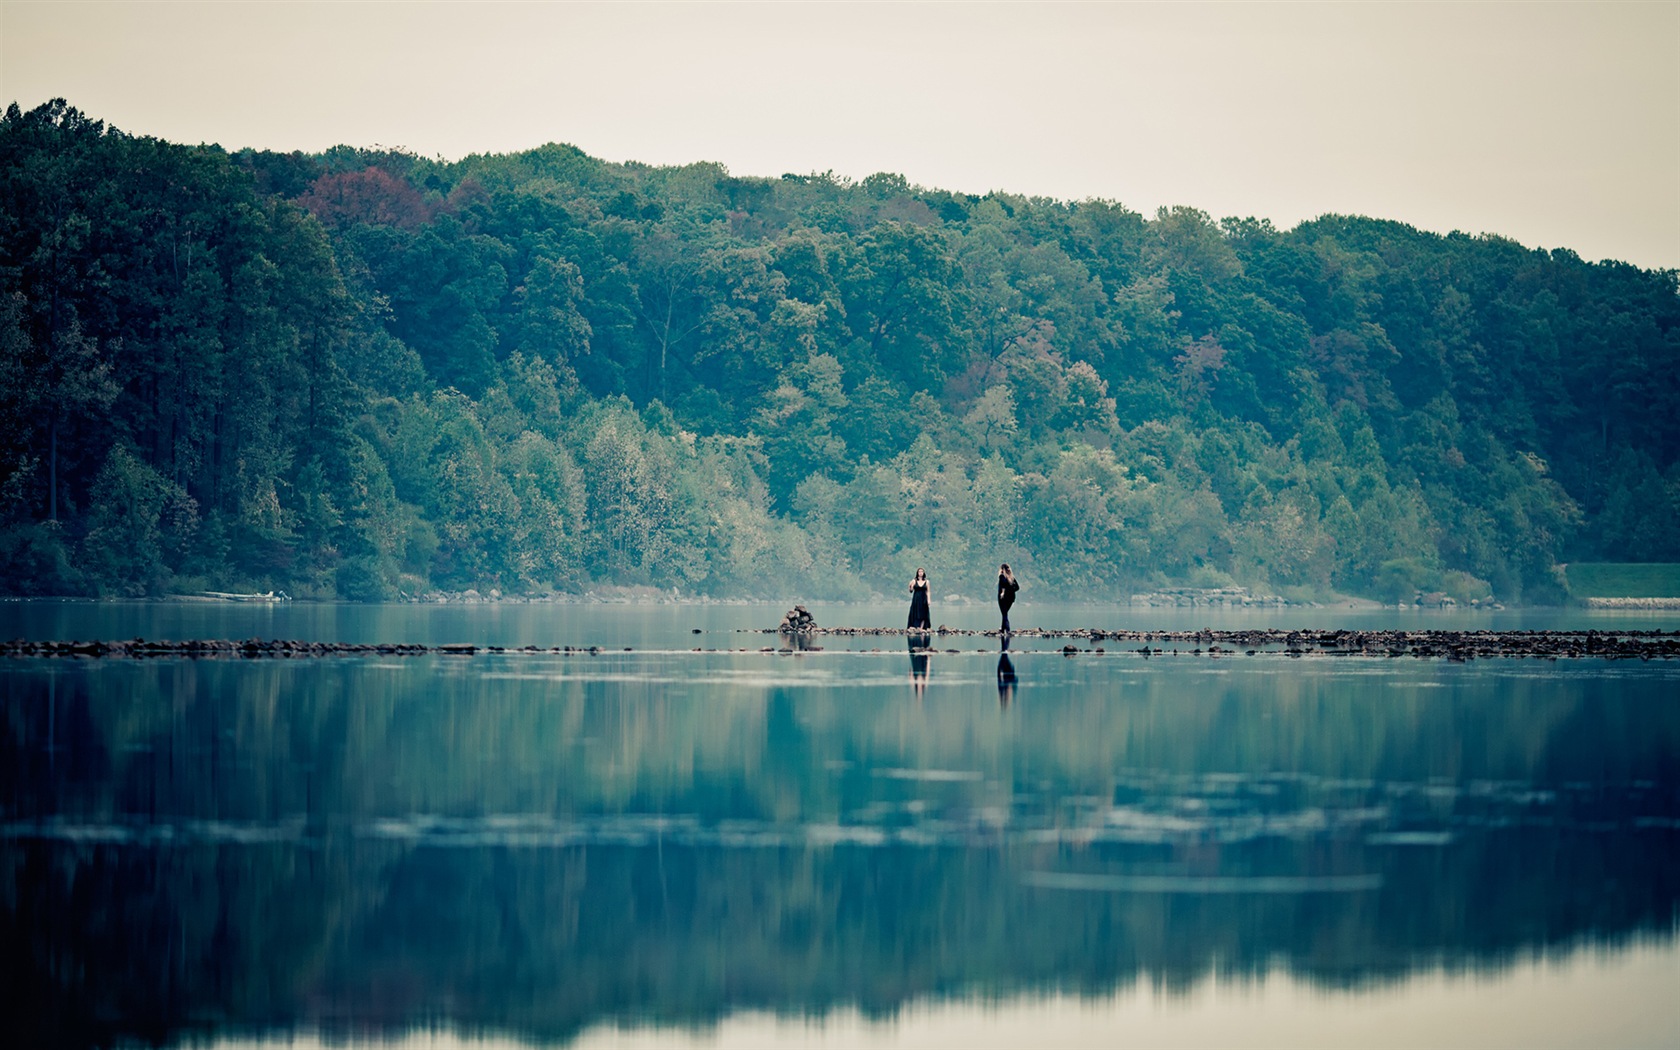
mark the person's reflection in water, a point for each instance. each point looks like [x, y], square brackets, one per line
[1005, 673]
[919, 661]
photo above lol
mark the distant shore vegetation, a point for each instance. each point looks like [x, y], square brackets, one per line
[363, 374]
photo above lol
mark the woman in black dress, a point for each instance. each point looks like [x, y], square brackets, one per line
[921, 616]
[1007, 586]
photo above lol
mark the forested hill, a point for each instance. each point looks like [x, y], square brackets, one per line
[367, 373]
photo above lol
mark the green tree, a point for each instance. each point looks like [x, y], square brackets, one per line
[139, 525]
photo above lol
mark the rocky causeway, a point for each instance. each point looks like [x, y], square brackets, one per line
[1454, 645]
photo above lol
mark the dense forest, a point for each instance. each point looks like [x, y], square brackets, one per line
[367, 374]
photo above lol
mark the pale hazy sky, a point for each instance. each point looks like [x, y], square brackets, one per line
[1557, 124]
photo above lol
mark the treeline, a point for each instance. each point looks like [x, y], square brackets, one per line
[366, 373]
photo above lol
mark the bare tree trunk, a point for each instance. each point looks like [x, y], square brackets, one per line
[665, 342]
[52, 468]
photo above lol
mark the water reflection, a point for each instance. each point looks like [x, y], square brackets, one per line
[671, 626]
[921, 644]
[802, 642]
[543, 845]
[1005, 672]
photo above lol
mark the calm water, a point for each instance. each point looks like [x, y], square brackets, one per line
[672, 847]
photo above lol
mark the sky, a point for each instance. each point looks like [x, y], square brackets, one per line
[1554, 124]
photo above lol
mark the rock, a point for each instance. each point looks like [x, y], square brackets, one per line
[797, 619]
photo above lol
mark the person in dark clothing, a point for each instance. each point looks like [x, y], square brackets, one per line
[1007, 586]
[921, 615]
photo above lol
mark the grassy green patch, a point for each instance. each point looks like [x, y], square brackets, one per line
[1604, 579]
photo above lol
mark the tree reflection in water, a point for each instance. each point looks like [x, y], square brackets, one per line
[538, 845]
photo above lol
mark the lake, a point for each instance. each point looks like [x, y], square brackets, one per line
[685, 840]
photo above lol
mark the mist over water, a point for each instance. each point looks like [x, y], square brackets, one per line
[543, 848]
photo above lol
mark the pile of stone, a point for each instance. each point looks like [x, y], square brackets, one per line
[798, 619]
